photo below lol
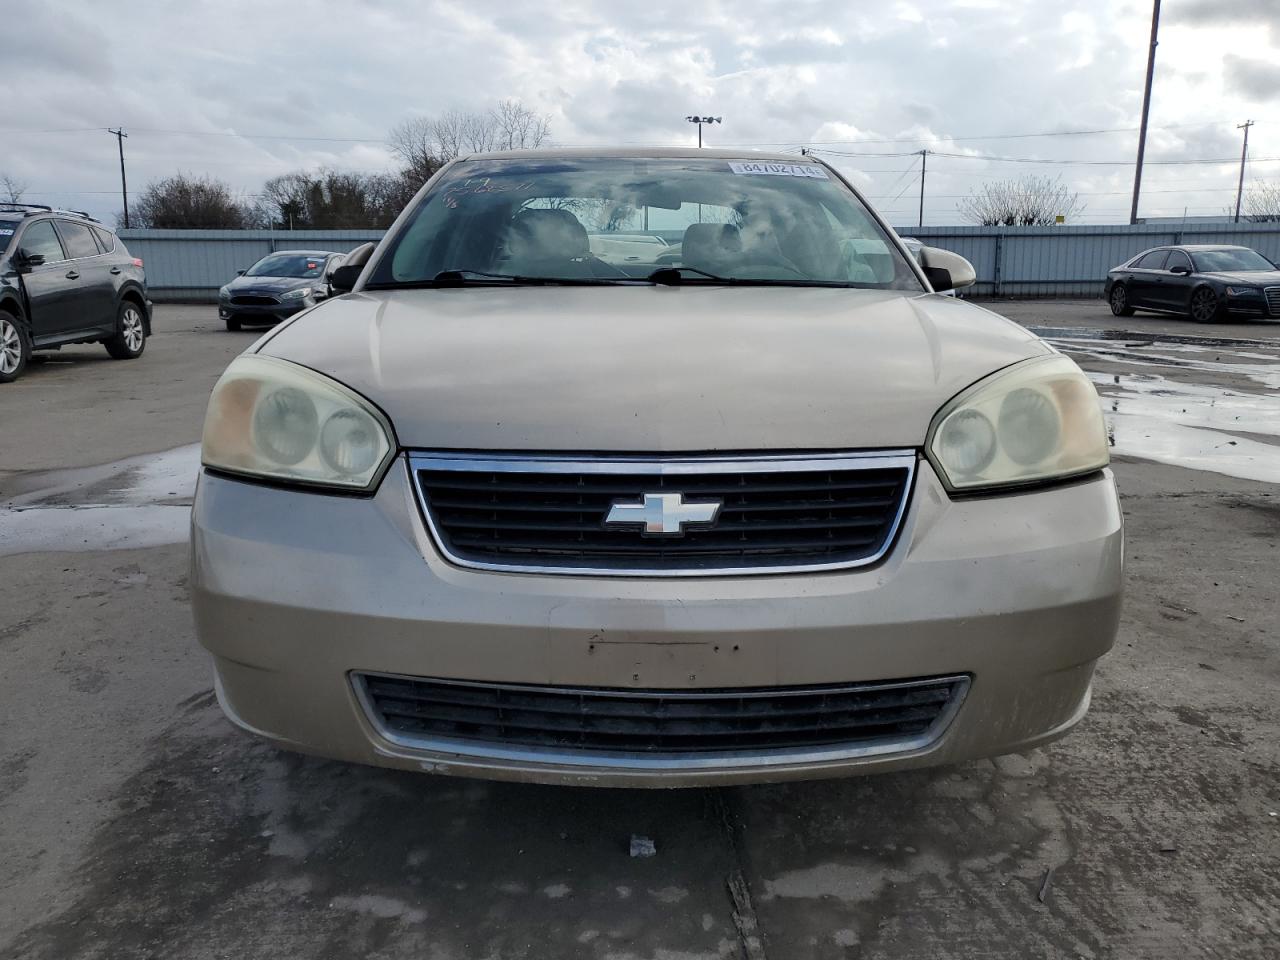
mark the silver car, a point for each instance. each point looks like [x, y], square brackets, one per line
[772, 511]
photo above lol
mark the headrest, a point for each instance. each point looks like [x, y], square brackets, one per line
[711, 243]
[547, 235]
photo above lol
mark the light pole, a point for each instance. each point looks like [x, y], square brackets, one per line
[700, 121]
[1244, 155]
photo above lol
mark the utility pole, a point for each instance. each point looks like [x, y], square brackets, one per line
[700, 121]
[1146, 109]
[924, 161]
[124, 189]
[1243, 155]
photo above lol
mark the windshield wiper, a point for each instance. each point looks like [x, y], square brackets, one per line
[465, 278]
[673, 276]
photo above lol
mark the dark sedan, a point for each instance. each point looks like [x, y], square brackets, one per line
[277, 286]
[1203, 282]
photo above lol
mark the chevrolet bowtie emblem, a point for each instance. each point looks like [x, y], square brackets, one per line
[663, 514]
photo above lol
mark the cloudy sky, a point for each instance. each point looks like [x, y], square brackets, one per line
[244, 91]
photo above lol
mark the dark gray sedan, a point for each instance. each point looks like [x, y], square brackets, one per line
[277, 287]
[1199, 281]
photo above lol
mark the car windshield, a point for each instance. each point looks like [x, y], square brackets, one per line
[609, 220]
[287, 265]
[1231, 261]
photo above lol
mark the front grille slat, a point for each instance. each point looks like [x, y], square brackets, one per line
[1273, 300]
[775, 514]
[606, 721]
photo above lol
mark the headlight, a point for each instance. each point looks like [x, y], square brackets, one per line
[300, 294]
[224, 293]
[271, 418]
[1243, 291]
[1037, 420]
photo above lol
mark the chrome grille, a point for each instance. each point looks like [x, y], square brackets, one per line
[1273, 300]
[252, 301]
[581, 723]
[777, 514]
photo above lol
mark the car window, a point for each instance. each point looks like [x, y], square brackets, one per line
[78, 240]
[609, 219]
[1177, 259]
[40, 240]
[1242, 259]
[1151, 261]
[106, 239]
[7, 230]
[297, 265]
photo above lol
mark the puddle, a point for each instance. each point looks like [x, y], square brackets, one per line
[1192, 425]
[137, 502]
[1144, 336]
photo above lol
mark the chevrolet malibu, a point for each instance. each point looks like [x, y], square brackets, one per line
[770, 509]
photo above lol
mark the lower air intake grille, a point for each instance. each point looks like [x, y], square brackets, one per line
[248, 301]
[865, 718]
[770, 514]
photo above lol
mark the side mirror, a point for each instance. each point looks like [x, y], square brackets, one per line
[25, 261]
[239, 273]
[343, 279]
[1180, 268]
[946, 270]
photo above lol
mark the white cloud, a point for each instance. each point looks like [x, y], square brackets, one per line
[783, 73]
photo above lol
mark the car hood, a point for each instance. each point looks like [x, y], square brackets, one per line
[1255, 278]
[654, 369]
[270, 284]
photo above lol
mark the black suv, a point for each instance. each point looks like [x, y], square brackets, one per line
[65, 278]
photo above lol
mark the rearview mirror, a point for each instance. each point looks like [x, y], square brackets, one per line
[239, 273]
[343, 279]
[1180, 268]
[946, 270]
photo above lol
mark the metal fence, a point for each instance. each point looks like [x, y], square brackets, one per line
[1010, 261]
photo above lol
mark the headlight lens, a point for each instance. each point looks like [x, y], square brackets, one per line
[1243, 291]
[271, 418]
[224, 293]
[300, 294]
[1037, 420]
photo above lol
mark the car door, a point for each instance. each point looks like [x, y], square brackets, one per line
[95, 308]
[1175, 292]
[1148, 275]
[51, 290]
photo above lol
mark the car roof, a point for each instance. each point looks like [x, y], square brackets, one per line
[303, 253]
[638, 153]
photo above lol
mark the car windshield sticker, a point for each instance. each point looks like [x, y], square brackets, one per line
[758, 168]
[6, 232]
[311, 266]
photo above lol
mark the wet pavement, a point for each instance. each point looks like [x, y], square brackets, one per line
[135, 823]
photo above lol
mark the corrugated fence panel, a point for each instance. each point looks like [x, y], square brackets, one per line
[193, 264]
[1010, 261]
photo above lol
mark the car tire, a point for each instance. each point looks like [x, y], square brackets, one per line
[1119, 301]
[130, 338]
[233, 325]
[1205, 306]
[15, 348]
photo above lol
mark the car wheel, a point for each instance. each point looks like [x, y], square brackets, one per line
[233, 324]
[15, 348]
[1205, 307]
[131, 333]
[1120, 301]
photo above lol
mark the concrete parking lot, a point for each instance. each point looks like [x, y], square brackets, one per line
[135, 822]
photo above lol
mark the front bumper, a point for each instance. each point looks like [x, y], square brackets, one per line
[262, 313]
[295, 593]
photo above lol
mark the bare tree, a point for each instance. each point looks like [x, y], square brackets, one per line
[12, 190]
[425, 144]
[1261, 202]
[332, 200]
[186, 201]
[1027, 201]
